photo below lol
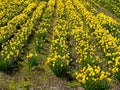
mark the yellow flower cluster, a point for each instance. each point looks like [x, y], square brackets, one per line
[95, 74]
[11, 50]
[8, 10]
[10, 29]
[55, 56]
[31, 55]
[90, 6]
[46, 18]
[106, 21]
[80, 32]
[59, 55]
[109, 23]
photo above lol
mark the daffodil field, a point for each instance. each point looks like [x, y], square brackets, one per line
[83, 41]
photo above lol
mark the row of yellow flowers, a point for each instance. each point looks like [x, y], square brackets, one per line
[106, 21]
[90, 6]
[110, 24]
[8, 10]
[45, 25]
[11, 28]
[58, 59]
[47, 17]
[13, 48]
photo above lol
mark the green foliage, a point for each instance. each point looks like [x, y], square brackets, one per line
[22, 85]
[100, 85]
[59, 67]
[117, 75]
[33, 61]
[39, 42]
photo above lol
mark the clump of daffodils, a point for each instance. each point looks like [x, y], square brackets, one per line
[93, 77]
